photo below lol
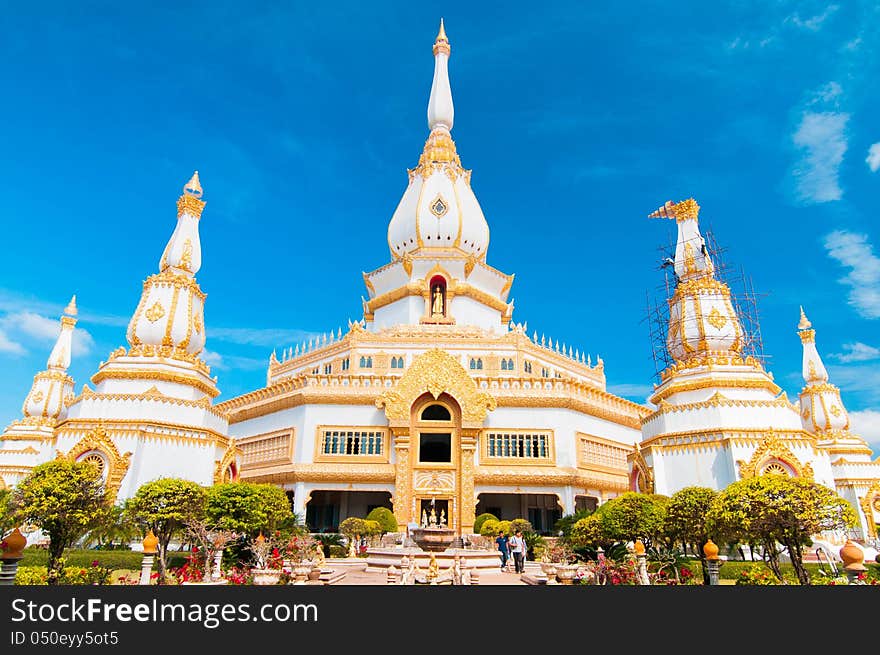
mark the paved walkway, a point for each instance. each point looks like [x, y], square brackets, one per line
[355, 575]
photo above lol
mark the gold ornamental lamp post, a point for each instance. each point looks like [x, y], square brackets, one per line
[641, 562]
[710, 550]
[853, 561]
[151, 543]
[13, 546]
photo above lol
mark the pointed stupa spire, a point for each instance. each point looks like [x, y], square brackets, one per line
[71, 310]
[59, 358]
[822, 410]
[440, 109]
[183, 254]
[804, 323]
[813, 369]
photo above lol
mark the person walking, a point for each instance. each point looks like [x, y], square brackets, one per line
[503, 548]
[518, 550]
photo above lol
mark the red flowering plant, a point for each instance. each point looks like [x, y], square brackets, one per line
[239, 576]
[193, 570]
[301, 548]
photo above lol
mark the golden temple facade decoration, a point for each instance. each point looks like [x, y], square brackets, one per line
[772, 448]
[870, 504]
[224, 468]
[98, 440]
[436, 372]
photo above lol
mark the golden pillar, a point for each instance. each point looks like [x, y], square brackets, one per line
[402, 476]
[468, 502]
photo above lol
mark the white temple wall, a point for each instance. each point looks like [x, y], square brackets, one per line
[156, 411]
[468, 311]
[565, 424]
[406, 311]
[710, 467]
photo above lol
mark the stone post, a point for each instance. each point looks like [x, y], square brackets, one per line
[151, 541]
[218, 559]
[713, 562]
[853, 561]
[641, 562]
[13, 546]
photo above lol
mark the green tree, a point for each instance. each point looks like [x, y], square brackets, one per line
[586, 532]
[771, 509]
[564, 525]
[385, 518]
[686, 522]
[248, 508]
[633, 516]
[164, 506]
[7, 511]
[65, 500]
[118, 526]
[481, 519]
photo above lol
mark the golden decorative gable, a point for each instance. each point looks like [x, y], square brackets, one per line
[117, 465]
[436, 372]
[770, 448]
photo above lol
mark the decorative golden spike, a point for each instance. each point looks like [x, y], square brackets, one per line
[193, 187]
[441, 44]
[680, 211]
[804, 322]
[71, 310]
[666, 211]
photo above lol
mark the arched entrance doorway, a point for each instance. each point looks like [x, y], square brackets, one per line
[435, 426]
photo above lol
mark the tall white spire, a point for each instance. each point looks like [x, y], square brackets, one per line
[812, 369]
[170, 315]
[441, 112]
[59, 358]
[183, 254]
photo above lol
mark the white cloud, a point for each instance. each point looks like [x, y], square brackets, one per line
[857, 352]
[855, 252]
[41, 330]
[873, 158]
[866, 424]
[862, 381]
[34, 325]
[214, 360]
[7, 345]
[821, 138]
[814, 23]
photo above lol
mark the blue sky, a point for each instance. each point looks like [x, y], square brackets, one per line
[577, 119]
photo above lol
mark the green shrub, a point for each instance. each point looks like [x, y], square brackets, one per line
[70, 575]
[757, 575]
[522, 525]
[373, 528]
[504, 526]
[353, 526]
[481, 519]
[337, 551]
[385, 518]
[489, 528]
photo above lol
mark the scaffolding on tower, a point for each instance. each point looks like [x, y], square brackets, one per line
[743, 297]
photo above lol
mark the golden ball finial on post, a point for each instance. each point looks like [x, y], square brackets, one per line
[710, 550]
[151, 543]
[639, 548]
[13, 545]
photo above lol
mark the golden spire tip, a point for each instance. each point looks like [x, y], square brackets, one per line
[441, 35]
[804, 323]
[193, 187]
[70, 310]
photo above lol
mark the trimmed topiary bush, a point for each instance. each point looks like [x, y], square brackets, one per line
[385, 518]
[481, 519]
[489, 528]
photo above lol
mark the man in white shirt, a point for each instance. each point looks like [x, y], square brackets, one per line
[518, 549]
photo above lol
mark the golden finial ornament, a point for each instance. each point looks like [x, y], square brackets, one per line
[193, 187]
[710, 550]
[441, 44]
[804, 323]
[150, 543]
[71, 310]
[13, 545]
[680, 211]
[190, 202]
[639, 548]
